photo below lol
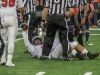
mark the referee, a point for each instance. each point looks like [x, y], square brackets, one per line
[30, 18]
[55, 20]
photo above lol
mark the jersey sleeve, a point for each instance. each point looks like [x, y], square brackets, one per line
[30, 47]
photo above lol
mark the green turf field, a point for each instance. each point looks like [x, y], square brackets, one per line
[28, 65]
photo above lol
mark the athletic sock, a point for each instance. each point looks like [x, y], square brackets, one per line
[87, 36]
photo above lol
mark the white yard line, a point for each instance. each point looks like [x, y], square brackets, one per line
[88, 73]
[94, 29]
[40, 73]
[94, 34]
[18, 39]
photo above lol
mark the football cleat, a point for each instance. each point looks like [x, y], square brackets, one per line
[87, 42]
[95, 55]
[92, 56]
[43, 57]
[3, 61]
[8, 64]
[67, 59]
[80, 56]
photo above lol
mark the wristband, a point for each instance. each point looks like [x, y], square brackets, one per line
[43, 20]
[84, 16]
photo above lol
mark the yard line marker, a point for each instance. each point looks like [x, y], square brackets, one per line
[18, 39]
[40, 73]
[94, 34]
[88, 73]
[94, 29]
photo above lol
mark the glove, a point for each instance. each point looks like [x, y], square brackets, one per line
[24, 26]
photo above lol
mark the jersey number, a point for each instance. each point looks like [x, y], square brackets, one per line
[9, 3]
[56, 1]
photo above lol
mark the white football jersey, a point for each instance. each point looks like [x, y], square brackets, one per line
[8, 7]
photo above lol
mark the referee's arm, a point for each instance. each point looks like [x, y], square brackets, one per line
[85, 13]
[44, 15]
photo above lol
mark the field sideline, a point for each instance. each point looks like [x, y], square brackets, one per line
[28, 65]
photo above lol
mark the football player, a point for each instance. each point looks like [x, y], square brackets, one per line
[10, 27]
[35, 49]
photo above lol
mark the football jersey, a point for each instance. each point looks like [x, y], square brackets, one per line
[8, 7]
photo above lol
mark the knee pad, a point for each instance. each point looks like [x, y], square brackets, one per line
[74, 44]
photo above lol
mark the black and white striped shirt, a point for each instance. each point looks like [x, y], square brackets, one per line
[30, 6]
[79, 3]
[57, 6]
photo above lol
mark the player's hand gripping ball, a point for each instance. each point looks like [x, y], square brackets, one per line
[24, 26]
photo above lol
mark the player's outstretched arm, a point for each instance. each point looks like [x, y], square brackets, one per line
[24, 27]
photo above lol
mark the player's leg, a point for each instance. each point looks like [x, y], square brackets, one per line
[48, 41]
[4, 36]
[80, 38]
[82, 50]
[57, 52]
[74, 52]
[11, 39]
[49, 37]
[63, 36]
[55, 47]
[87, 30]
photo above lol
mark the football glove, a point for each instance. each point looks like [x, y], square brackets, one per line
[24, 26]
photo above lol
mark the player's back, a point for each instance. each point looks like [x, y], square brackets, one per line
[8, 7]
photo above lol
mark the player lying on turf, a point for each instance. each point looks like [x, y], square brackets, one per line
[35, 49]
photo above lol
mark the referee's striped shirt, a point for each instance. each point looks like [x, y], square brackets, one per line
[57, 6]
[79, 3]
[30, 6]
